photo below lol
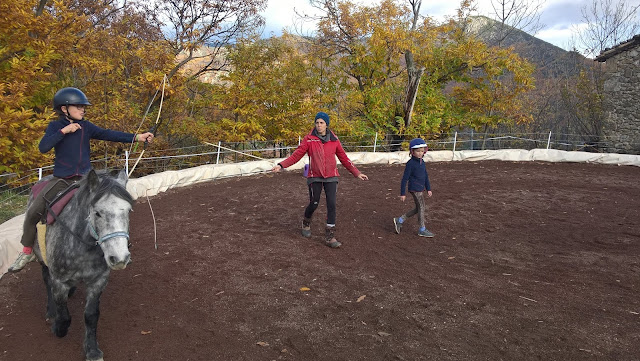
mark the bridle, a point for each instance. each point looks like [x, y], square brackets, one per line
[106, 237]
[92, 231]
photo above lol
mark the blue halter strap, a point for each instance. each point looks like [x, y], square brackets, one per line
[106, 237]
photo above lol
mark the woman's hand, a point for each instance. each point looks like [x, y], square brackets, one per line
[277, 168]
[402, 198]
[363, 176]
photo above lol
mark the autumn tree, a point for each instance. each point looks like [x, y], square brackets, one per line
[270, 91]
[32, 41]
[464, 81]
[364, 45]
[199, 30]
[114, 54]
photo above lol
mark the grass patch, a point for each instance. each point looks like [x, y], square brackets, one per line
[12, 204]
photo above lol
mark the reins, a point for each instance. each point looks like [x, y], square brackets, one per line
[55, 217]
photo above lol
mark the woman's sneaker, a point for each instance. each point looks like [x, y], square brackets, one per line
[425, 233]
[22, 261]
[397, 224]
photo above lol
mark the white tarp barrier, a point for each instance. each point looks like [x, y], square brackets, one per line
[160, 182]
[10, 233]
[153, 184]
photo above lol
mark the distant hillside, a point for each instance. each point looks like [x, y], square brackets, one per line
[550, 60]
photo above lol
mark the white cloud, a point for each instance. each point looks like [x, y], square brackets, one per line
[281, 14]
[557, 16]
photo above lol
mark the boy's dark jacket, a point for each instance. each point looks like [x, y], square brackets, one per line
[73, 150]
[415, 172]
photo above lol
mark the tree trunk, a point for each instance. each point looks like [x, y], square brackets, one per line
[413, 83]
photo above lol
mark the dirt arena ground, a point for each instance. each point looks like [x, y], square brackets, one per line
[531, 261]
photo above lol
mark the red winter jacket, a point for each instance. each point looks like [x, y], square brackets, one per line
[322, 157]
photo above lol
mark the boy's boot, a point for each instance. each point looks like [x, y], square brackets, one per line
[330, 237]
[306, 227]
[425, 233]
[22, 261]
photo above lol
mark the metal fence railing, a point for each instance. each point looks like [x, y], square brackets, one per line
[14, 187]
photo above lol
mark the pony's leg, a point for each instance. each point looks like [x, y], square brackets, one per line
[51, 305]
[91, 316]
[60, 292]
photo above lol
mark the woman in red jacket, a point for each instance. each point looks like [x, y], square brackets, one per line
[322, 146]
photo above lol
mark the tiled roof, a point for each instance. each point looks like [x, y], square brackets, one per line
[620, 48]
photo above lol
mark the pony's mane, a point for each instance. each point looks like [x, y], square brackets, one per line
[108, 185]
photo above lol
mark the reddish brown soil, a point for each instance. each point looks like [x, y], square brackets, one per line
[531, 261]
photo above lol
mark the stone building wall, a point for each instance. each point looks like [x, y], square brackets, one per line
[621, 127]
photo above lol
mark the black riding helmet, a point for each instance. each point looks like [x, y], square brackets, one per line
[69, 96]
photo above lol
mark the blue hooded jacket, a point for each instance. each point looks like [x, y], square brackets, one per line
[72, 151]
[415, 172]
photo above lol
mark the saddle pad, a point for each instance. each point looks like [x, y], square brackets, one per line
[42, 230]
[59, 205]
[37, 188]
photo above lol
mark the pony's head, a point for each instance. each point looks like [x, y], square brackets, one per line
[109, 207]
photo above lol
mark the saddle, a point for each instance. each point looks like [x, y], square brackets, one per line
[55, 206]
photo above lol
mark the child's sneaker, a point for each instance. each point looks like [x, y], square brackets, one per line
[425, 233]
[22, 261]
[397, 224]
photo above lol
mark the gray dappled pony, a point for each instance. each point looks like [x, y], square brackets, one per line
[89, 238]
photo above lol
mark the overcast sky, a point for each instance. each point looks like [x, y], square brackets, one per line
[557, 16]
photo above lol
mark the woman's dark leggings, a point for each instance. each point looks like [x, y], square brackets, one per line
[330, 191]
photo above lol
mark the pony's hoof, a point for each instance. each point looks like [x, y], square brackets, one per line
[59, 330]
[96, 357]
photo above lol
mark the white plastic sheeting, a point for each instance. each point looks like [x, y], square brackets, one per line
[153, 184]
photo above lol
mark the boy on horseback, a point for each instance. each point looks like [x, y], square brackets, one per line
[69, 136]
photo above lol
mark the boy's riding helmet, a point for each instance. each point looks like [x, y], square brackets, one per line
[417, 143]
[69, 96]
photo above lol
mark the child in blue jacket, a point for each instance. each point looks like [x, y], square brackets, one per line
[415, 173]
[69, 136]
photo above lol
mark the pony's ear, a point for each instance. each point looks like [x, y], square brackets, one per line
[93, 180]
[122, 177]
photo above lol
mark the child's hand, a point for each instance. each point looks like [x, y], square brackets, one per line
[71, 128]
[144, 137]
[428, 193]
[402, 198]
